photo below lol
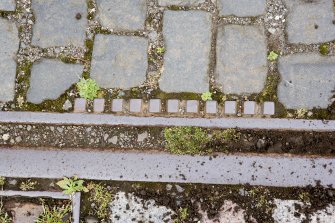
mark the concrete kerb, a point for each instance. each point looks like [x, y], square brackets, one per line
[75, 199]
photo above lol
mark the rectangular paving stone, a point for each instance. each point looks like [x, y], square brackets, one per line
[117, 105]
[59, 22]
[230, 107]
[7, 5]
[79, 105]
[9, 46]
[269, 108]
[172, 105]
[242, 8]
[249, 108]
[307, 81]
[241, 59]
[310, 21]
[187, 42]
[119, 61]
[180, 2]
[192, 106]
[99, 105]
[122, 14]
[155, 105]
[211, 107]
[135, 105]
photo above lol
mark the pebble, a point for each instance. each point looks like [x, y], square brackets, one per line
[5, 137]
[179, 189]
[261, 143]
[18, 139]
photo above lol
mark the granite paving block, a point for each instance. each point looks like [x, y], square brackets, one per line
[122, 14]
[187, 42]
[79, 105]
[269, 108]
[241, 59]
[119, 61]
[172, 105]
[7, 5]
[99, 105]
[117, 105]
[57, 22]
[249, 108]
[154, 105]
[211, 107]
[230, 107]
[135, 105]
[192, 106]
[310, 21]
[242, 8]
[9, 46]
[307, 81]
[51, 78]
[180, 2]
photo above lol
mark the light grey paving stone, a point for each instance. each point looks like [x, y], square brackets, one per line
[56, 23]
[241, 8]
[117, 105]
[211, 107]
[51, 78]
[79, 105]
[122, 14]
[192, 106]
[269, 108]
[7, 5]
[241, 59]
[180, 2]
[119, 61]
[310, 21]
[155, 105]
[307, 81]
[230, 107]
[135, 105]
[187, 41]
[249, 108]
[9, 46]
[99, 105]
[172, 105]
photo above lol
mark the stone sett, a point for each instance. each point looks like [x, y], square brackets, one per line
[249, 108]
[242, 8]
[180, 2]
[117, 105]
[155, 105]
[9, 45]
[241, 59]
[172, 105]
[135, 105]
[119, 61]
[79, 105]
[269, 108]
[192, 106]
[7, 5]
[122, 14]
[51, 78]
[187, 42]
[230, 107]
[211, 107]
[56, 23]
[99, 105]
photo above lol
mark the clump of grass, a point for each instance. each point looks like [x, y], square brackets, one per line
[88, 88]
[186, 140]
[4, 216]
[324, 49]
[182, 215]
[28, 185]
[100, 196]
[272, 56]
[55, 214]
[206, 96]
[226, 135]
[160, 50]
[2, 181]
[301, 113]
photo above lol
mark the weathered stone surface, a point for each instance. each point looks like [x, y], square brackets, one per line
[285, 211]
[249, 108]
[50, 78]
[9, 46]
[307, 81]
[269, 108]
[119, 61]
[310, 21]
[241, 59]
[230, 107]
[172, 105]
[242, 8]
[122, 14]
[180, 2]
[99, 105]
[211, 107]
[117, 105]
[187, 42]
[192, 106]
[56, 23]
[79, 105]
[135, 105]
[7, 5]
[154, 105]
[25, 212]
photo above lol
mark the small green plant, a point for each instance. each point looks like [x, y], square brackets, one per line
[160, 50]
[304, 197]
[101, 197]
[2, 181]
[88, 88]
[182, 215]
[227, 135]
[28, 185]
[206, 96]
[272, 56]
[324, 49]
[4, 217]
[186, 140]
[55, 214]
[70, 186]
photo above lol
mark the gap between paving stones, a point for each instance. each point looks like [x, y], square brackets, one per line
[104, 119]
[278, 171]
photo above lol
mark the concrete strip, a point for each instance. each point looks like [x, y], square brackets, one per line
[279, 171]
[109, 119]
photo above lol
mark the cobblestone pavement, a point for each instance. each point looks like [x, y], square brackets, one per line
[170, 49]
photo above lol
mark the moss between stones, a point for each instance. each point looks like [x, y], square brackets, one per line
[324, 49]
